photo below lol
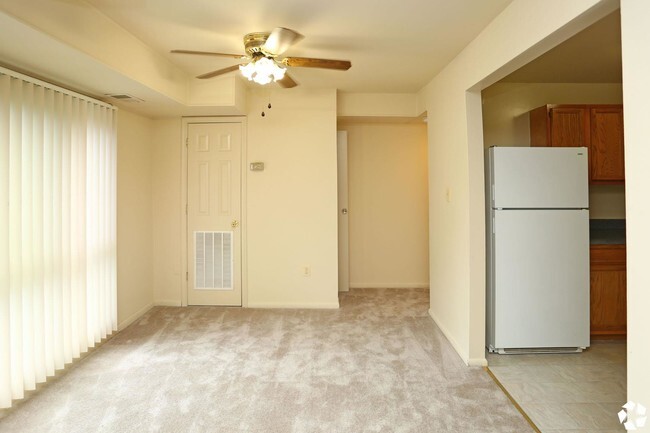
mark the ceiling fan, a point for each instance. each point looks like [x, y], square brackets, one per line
[262, 64]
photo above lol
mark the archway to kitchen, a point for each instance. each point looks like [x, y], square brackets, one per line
[572, 96]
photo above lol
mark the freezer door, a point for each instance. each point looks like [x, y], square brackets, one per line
[538, 177]
[541, 278]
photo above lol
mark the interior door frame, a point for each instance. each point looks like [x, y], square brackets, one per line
[343, 229]
[186, 121]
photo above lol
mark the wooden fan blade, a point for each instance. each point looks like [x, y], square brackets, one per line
[219, 72]
[207, 53]
[306, 62]
[280, 40]
[287, 82]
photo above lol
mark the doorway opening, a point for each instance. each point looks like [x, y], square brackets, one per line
[383, 211]
[572, 96]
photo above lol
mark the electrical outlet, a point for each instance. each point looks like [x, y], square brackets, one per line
[306, 271]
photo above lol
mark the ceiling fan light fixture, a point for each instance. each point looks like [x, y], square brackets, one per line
[262, 71]
[264, 66]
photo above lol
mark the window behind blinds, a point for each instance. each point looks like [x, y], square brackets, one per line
[57, 229]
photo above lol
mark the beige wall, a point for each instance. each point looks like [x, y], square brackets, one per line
[166, 221]
[452, 100]
[134, 265]
[291, 206]
[506, 123]
[506, 106]
[377, 104]
[291, 213]
[388, 202]
[635, 15]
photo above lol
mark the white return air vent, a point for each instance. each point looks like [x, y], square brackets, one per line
[124, 97]
[213, 260]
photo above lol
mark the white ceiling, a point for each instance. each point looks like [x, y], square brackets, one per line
[591, 56]
[394, 46]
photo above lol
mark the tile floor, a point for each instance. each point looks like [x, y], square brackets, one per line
[564, 393]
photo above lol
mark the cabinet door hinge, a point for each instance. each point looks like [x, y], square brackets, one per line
[186, 206]
[187, 141]
[187, 275]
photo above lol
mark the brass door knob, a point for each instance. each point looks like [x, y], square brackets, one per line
[234, 224]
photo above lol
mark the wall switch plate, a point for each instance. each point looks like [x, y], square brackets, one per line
[257, 166]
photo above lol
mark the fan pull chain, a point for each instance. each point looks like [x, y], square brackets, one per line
[268, 106]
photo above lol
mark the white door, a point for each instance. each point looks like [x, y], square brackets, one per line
[213, 213]
[344, 254]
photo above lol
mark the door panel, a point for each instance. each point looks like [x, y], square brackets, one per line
[214, 213]
[606, 152]
[344, 253]
[569, 127]
[541, 278]
[539, 177]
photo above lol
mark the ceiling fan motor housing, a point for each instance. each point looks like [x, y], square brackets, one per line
[253, 43]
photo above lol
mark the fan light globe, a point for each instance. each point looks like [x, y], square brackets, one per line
[262, 71]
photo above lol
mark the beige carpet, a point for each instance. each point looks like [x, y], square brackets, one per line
[379, 364]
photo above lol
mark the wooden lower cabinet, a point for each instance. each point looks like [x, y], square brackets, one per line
[608, 312]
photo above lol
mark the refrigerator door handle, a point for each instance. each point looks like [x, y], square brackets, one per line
[492, 196]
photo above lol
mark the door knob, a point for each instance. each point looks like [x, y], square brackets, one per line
[344, 211]
[234, 224]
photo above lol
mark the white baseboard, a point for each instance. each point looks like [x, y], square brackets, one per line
[133, 317]
[315, 305]
[167, 303]
[389, 286]
[452, 341]
[309, 305]
[477, 362]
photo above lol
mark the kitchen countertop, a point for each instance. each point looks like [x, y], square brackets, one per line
[606, 232]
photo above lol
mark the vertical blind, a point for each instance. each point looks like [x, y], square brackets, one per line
[57, 229]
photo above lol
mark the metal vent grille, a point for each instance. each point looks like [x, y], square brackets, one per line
[124, 97]
[213, 260]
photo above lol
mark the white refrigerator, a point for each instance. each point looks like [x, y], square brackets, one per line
[537, 249]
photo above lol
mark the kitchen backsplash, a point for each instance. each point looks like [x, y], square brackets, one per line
[607, 202]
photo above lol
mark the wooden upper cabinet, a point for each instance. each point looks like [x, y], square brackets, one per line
[606, 150]
[597, 127]
[559, 126]
[569, 127]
